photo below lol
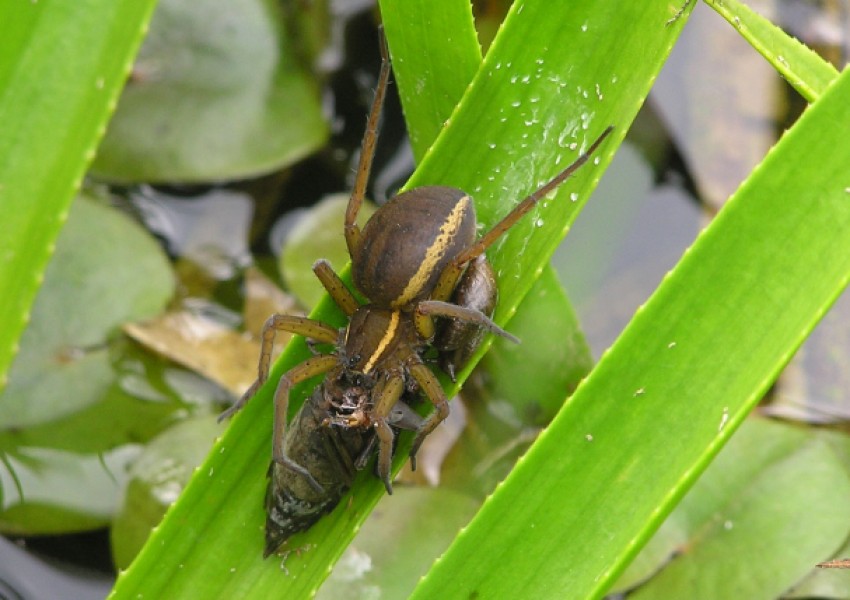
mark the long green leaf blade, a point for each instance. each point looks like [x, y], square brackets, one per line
[62, 66]
[689, 367]
[432, 72]
[801, 66]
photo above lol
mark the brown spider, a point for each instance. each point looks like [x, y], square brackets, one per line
[408, 261]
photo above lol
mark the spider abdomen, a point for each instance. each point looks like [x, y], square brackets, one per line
[408, 242]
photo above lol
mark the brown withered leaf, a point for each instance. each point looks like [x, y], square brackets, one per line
[225, 356]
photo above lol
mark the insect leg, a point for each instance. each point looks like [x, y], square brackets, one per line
[403, 417]
[364, 456]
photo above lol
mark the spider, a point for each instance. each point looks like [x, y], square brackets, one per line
[408, 260]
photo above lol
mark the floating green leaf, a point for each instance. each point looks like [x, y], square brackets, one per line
[762, 515]
[63, 407]
[216, 93]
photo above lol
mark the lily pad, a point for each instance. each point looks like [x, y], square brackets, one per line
[64, 491]
[770, 507]
[216, 93]
[106, 271]
[66, 427]
[318, 234]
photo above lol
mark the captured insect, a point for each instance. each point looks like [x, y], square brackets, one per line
[329, 453]
[416, 258]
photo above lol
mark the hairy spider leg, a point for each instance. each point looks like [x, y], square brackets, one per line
[335, 287]
[352, 231]
[309, 328]
[434, 391]
[451, 273]
[386, 395]
[311, 367]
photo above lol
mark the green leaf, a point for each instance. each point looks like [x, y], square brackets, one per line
[761, 516]
[379, 562]
[155, 478]
[825, 583]
[216, 93]
[63, 407]
[65, 491]
[685, 372]
[522, 373]
[63, 365]
[432, 71]
[62, 66]
[807, 72]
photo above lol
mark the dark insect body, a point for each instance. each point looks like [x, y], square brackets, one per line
[457, 340]
[417, 258]
[329, 453]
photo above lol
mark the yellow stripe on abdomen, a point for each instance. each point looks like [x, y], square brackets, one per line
[436, 251]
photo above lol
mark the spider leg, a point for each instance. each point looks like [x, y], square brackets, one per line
[429, 384]
[309, 328]
[486, 240]
[387, 394]
[451, 272]
[309, 368]
[335, 287]
[367, 150]
[463, 313]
